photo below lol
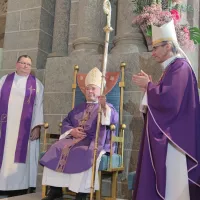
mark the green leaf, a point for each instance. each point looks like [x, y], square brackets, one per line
[186, 8]
[195, 34]
[149, 31]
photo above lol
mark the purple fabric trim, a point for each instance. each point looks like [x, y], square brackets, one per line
[26, 117]
[4, 98]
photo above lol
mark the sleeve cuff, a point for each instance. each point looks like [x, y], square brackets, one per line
[144, 103]
[64, 135]
[105, 119]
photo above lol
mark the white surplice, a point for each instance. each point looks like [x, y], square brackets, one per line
[78, 182]
[17, 176]
[177, 184]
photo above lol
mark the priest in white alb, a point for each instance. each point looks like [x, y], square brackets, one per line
[21, 115]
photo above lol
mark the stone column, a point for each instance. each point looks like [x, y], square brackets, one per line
[61, 28]
[129, 38]
[90, 34]
[192, 17]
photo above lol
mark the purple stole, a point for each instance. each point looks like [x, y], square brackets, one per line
[26, 117]
[65, 151]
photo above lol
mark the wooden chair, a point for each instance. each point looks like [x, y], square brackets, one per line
[110, 164]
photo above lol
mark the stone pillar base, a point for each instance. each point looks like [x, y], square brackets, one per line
[87, 45]
[129, 43]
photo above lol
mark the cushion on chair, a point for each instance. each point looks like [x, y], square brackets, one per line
[131, 180]
[105, 160]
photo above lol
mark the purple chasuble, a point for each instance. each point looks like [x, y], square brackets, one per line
[173, 115]
[80, 156]
[26, 117]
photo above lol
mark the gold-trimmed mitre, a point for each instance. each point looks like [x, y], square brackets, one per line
[164, 33]
[93, 77]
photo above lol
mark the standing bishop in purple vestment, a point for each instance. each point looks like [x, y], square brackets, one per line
[68, 162]
[168, 164]
[21, 114]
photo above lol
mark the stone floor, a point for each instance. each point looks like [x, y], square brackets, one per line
[33, 196]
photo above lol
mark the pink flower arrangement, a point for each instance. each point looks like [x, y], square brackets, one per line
[155, 15]
[175, 15]
[183, 36]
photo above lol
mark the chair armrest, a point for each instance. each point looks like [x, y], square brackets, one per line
[119, 139]
[48, 136]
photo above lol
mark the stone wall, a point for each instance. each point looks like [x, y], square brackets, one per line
[3, 10]
[29, 30]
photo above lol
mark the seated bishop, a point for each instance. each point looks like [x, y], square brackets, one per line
[68, 162]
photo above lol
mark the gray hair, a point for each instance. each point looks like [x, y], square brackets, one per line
[174, 48]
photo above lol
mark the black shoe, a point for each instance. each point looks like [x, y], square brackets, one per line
[81, 196]
[14, 193]
[31, 190]
[55, 193]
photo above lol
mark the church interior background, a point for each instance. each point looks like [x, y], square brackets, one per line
[59, 34]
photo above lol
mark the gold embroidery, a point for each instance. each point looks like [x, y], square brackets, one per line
[161, 40]
[86, 115]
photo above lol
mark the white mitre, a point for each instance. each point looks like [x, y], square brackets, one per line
[93, 77]
[166, 32]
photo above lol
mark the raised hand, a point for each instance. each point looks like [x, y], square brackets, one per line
[142, 79]
[102, 101]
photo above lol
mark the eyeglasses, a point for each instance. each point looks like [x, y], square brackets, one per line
[155, 47]
[23, 63]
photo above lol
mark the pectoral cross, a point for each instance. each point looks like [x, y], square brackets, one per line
[3, 119]
[31, 91]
